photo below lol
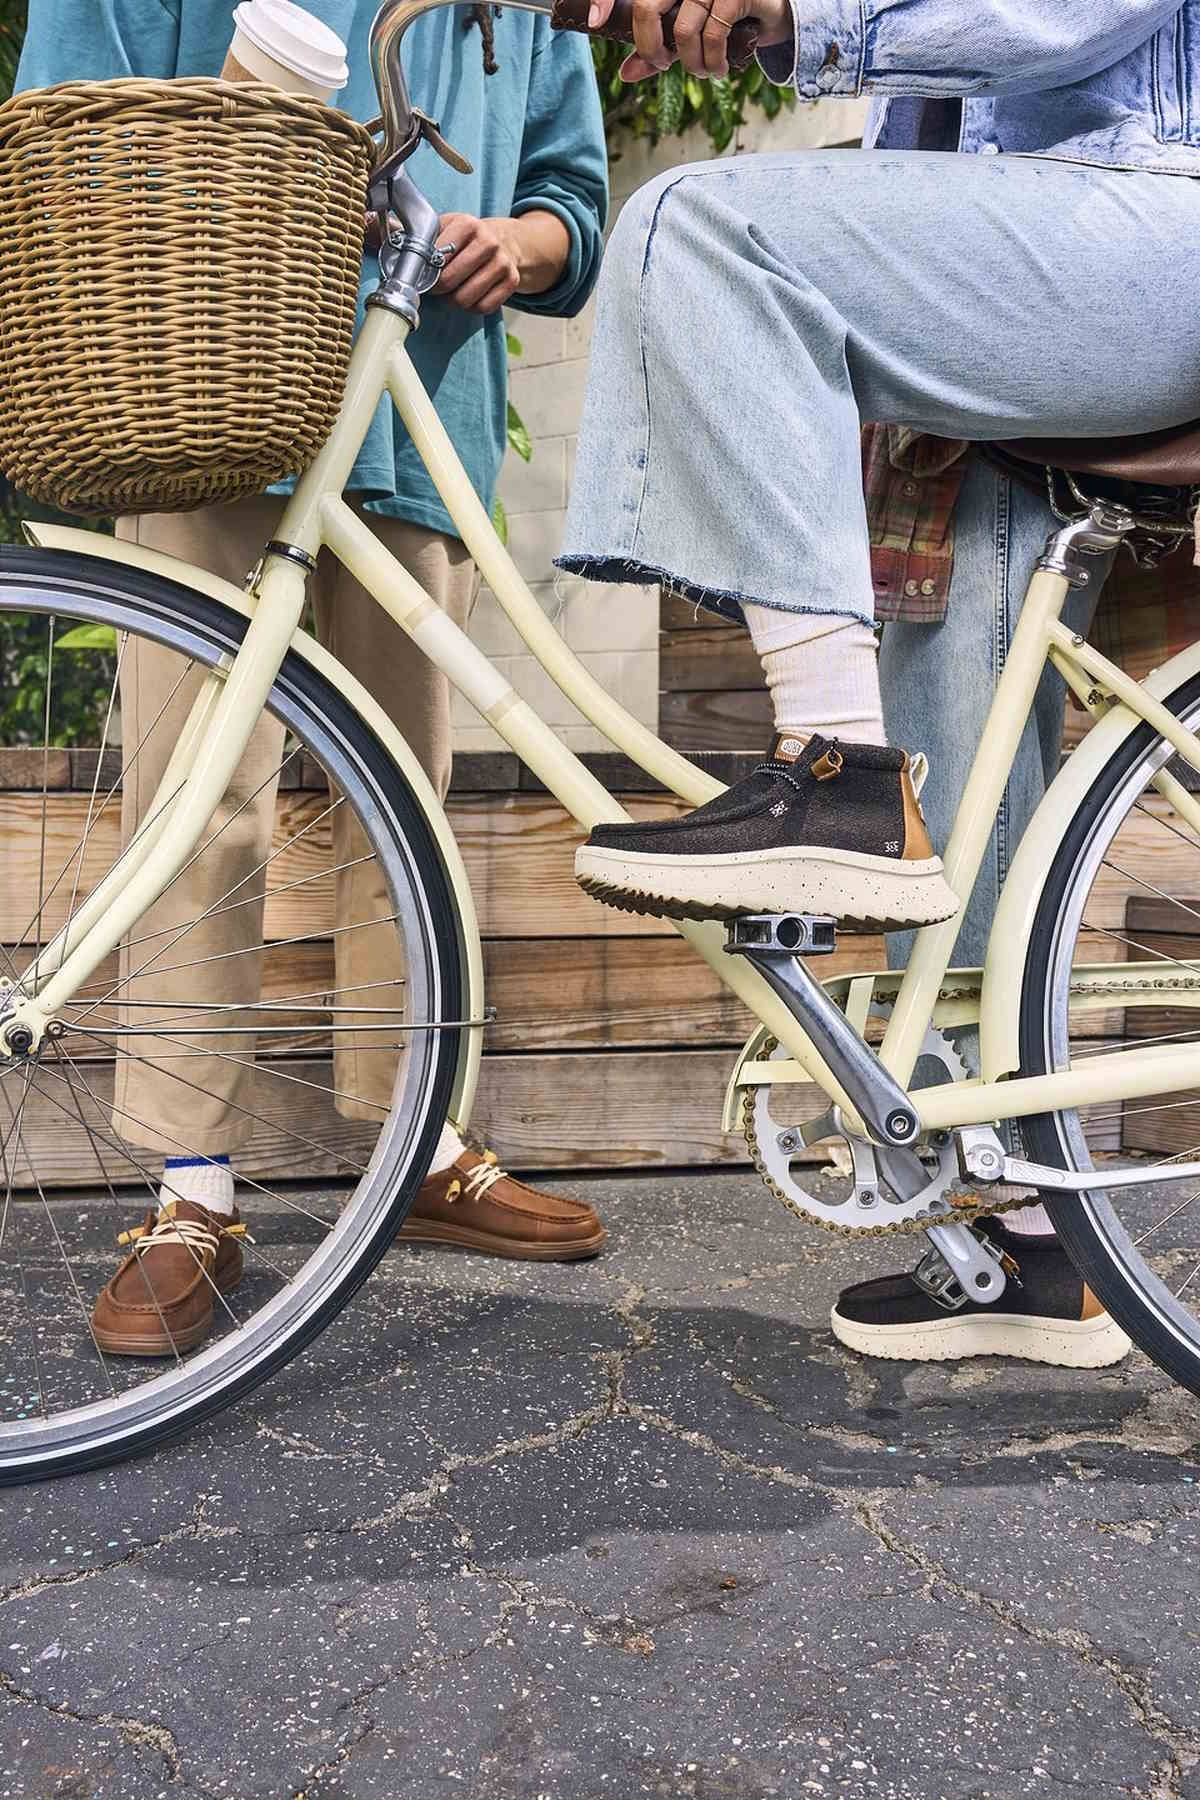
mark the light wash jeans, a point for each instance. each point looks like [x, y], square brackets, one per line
[751, 311]
[938, 682]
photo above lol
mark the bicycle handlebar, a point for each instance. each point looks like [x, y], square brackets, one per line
[571, 15]
[395, 16]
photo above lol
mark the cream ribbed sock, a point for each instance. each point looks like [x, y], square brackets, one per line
[205, 1181]
[822, 672]
[449, 1148]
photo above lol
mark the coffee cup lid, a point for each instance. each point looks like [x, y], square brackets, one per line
[296, 39]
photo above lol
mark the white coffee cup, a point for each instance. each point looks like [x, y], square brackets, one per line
[280, 43]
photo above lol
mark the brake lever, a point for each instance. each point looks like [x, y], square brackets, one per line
[427, 130]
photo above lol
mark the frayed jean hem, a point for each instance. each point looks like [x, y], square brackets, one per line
[726, 603]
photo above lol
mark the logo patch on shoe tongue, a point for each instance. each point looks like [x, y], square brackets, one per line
[789, 749]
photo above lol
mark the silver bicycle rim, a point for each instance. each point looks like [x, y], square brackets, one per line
[153, 1407]
[1146, 1288]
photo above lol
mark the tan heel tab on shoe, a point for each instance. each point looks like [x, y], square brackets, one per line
[917, 846]
[1092, 1308]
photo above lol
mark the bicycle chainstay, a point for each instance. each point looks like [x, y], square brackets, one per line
[959, 1215]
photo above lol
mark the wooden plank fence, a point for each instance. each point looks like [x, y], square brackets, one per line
[613, 1042]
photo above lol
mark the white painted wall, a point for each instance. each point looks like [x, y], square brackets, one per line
[618, 639]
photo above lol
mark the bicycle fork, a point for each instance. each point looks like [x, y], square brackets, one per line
[204, 761]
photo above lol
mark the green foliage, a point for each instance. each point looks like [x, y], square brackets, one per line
[12, 30]
[518, 434]
[675, 101]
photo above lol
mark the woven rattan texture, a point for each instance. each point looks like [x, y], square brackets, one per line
[179, 271]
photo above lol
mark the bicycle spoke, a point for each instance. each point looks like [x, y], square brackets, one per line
[297, 1137]
[1192, 842]
[250, 950]
[282, 1002]
[84, 1309]
[1173, 1214]
[128, 761]
[1175, 962]
[201, 917]
[149, 1180]
[18, 1115]
[87, 824]
[45, 769]
[216, 911]
[102, 1170]
[1150, 888]
[199, 1155]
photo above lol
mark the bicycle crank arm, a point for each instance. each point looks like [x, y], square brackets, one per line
[983, 1158]
[774, 943]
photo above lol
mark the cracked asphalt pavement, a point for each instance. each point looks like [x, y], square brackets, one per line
[633, 1527]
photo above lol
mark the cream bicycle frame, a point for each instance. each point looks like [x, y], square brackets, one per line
[317, 516]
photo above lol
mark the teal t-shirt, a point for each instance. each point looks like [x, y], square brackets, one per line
[533, 133]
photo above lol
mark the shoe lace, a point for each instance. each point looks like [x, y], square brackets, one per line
[483, 1176]
[827, 766]
[196, 1238]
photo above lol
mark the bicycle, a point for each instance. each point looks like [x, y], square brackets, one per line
[924, 1156]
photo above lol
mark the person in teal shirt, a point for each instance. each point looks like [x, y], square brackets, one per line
[520, 102]
[532, 131]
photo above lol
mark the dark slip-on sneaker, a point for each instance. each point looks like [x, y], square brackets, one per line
[818, 827]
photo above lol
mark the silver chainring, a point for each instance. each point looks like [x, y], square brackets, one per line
[867, 1204]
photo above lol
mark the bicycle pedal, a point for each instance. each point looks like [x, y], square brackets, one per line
[781, 934]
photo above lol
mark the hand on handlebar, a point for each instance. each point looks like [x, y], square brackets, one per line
[496, 258]
[701, 33]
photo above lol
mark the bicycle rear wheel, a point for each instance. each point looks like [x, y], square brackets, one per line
[74, 1166]
[1125, 886]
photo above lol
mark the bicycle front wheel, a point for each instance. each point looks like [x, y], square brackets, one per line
[1124, 887]
[327, 1047]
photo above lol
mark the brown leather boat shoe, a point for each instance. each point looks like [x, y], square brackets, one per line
[160, 1301]
[479, 1206]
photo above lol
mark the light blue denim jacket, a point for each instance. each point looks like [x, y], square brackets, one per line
[1110, 82]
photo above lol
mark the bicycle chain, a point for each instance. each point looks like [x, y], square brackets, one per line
[959, 1215]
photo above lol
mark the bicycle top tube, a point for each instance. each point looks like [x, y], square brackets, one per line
[387, 36]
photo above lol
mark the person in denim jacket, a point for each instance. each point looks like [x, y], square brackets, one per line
[1014, 253]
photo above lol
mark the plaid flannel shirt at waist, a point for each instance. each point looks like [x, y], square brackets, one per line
[913, 481]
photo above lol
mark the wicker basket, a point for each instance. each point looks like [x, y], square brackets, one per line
[178, 281]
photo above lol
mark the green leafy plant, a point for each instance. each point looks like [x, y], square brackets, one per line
[12, 30]
[676, 101]
[519, 441]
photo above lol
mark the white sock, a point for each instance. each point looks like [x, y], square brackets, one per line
[449, 1148]
[1028, 1221]
[822, 672]
[205, 1181]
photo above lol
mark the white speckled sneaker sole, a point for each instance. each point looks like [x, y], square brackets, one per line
[872, 893]
[1094, 1343]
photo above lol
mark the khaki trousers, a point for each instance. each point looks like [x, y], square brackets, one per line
[204, 1102]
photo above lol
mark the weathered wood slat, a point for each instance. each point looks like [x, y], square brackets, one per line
[607, 1110]
[612, 1109]
[720, 658]
[297, 1137]
[740, 720]
[519, 851]
[583, 994]
[1166, 1124]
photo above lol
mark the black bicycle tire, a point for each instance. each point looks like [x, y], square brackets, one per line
[1082, 1223]
[67, 571]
